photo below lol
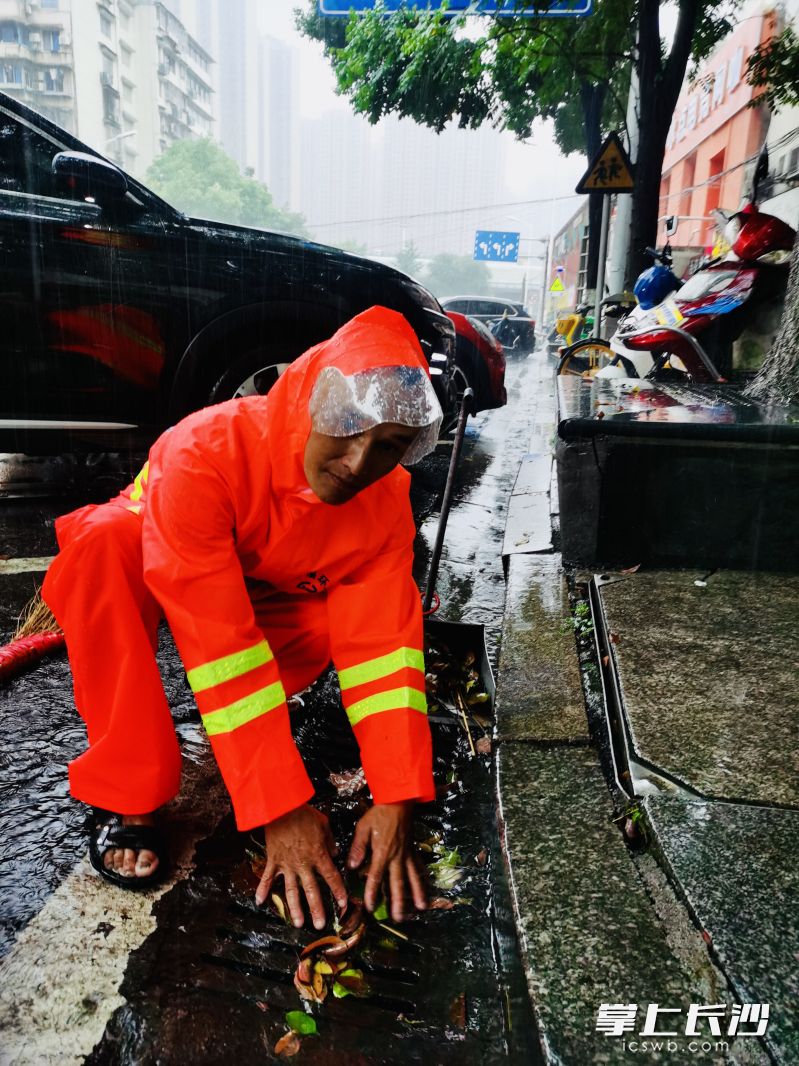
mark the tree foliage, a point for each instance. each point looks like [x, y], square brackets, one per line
[199, 178]
[518, 69]
[450, 275]
[408, 260]
[774, 67]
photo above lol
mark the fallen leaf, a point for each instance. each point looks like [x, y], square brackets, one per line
[105, 928]
[288, 1045]
[439, 903]
[300, 1022]
[328, 945]
[339, 991]
[319, 987]
[322, 966]
[600, 414]
[349, 782]
[481, 858]
[381, 911]
[614, 638]
[457, 1011]
[279, 906]
[605, 660]
[353, 981]
[632, 569]
[483, 746]
[261, 1004]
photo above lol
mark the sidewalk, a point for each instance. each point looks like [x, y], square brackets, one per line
[695, 676]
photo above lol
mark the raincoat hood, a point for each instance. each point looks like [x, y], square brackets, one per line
[375, 340]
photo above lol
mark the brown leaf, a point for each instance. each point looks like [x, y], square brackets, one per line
[349, 782]
[632, 569]
[483, 746]
[440, 904]
[600, 414]
[261, 1004]
[288, 1045]
[319, 986]
[457, 1011]
[614, 638]
[605, 660]
[481, 858]
[328, 945]
[305, 991]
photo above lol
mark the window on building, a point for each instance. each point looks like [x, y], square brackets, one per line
[713, 194]
[793, 162]
[125, 55]
[53, 80]
[51, 40]
[106, 24]
[10, 73]
[688, 173]
[110, 106]
[10, 33]
[50, 5]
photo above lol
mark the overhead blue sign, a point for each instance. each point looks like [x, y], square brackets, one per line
[496, 246]
[515, 8]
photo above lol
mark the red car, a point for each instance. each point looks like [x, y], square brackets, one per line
[479, 361]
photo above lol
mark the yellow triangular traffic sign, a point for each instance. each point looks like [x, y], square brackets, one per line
[557, 286]
[610, 169]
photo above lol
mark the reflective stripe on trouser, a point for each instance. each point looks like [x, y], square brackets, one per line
[96, 591]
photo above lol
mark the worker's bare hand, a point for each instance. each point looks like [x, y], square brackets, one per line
[300, 845]
[386, 832]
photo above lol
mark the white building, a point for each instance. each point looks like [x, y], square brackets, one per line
[122, 75]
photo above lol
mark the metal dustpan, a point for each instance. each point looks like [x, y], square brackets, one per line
[459, 637]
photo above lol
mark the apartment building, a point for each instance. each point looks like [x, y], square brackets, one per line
[123, 75]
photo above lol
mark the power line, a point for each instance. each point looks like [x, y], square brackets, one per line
[449, 211]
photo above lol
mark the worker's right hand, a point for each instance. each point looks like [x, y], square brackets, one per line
[299, 845]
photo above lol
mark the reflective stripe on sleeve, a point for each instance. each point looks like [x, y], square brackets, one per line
[229, 666]
[373, 669]
[139, 482]
[393, 700]
[226, 719]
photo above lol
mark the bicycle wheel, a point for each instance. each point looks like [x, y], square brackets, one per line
[585, 358]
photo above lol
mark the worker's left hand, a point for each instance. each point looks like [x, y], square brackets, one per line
[386, 832]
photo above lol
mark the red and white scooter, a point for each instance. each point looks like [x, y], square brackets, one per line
[691, 332]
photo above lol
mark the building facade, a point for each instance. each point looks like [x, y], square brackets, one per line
[714, 142]
[123, 75]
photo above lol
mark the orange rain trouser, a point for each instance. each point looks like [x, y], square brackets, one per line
[96, 591]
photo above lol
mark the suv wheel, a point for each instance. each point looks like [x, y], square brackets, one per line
[253, 374]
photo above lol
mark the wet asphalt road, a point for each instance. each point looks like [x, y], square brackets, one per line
[463, 953]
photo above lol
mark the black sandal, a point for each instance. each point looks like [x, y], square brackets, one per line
[106, 832]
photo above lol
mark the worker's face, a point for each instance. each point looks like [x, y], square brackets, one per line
[337, 468]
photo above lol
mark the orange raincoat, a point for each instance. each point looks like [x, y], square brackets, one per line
[262, 585]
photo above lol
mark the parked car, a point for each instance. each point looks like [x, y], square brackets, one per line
[516, 324]
[479, 362]
[121, 314]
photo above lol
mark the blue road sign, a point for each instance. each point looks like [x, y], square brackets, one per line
[496, 246]
[516, 8]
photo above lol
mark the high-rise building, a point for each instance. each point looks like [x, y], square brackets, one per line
[123, 75]
[228, 29]
[278, 128]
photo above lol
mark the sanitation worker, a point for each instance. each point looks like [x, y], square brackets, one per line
[275, 534]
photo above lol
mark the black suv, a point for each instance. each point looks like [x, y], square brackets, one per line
[120, 314]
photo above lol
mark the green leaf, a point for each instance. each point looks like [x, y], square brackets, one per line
[300, 1022]
[381, 912]
[339, 991]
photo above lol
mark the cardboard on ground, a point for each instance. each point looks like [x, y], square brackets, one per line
[610, 169]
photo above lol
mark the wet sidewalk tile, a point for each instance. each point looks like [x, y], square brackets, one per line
[736, 865]
[708, 677]
[588, 929]
[540, 694]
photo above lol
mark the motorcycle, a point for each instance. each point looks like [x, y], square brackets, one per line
[716, 304]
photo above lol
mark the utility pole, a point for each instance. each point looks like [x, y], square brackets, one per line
[620, 247]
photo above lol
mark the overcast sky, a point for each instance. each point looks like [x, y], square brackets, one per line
[535, 171]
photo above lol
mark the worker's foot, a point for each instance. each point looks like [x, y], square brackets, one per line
[127, 861]
[126, 849]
